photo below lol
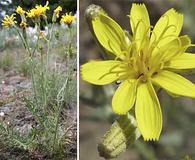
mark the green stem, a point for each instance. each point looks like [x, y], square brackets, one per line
[43, 83]
[58, 113]
[60, 99]
[49, 44]
[45, 70]
[24, 42]
[33, 79]
[70, 41]
[36, 45]
[26, 46]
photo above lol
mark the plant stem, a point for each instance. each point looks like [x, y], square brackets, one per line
[58, 113]
[45, 69]
[70, 41]
[49, 43]
[24, 42]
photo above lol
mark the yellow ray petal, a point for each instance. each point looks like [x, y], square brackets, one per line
[172, 49]
[148, 112]
[140, 23]
[167, 28]
[102, 72]
[124, 97]
[109, 34]
[175, 83]
[182, 61]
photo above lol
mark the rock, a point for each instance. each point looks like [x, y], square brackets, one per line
[7, 89]
[24, 85]
[24, 129]
[16, 80]
[10, 73]
[8, 107]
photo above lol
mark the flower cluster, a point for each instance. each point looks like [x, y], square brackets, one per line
[21, 12]
[35, 14]
[38, 11]
[147, 58]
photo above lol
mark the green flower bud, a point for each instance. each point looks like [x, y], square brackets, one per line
[122, 133]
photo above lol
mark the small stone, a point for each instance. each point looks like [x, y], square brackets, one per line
[2, 114]
[16, 80]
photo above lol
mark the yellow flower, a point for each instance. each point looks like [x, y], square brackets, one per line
[148, 58]
[38, 11]
[9, 21]
[57, 11]
[23, 25]
[31, 13]
[67, 18]
[19, 10]
[42, 9]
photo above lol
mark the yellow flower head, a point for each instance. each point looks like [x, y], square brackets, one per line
[57, 11]
[31, 13]
[67, 18]
[9, 21]
[23, 25]
[19, 10]
[38, 11]
[42, 9]
[148, 58]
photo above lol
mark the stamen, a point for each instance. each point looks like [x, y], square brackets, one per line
[164, 31]
[145, 36]
[133, 45]
[110, 45]
[117, 58]
[115, 51]
[112, 72]
[115, 72]
[169, 36]
[156, 42]
[136, 28]
[190, 45]
[157, 47]
[129, 53]
[132, 22]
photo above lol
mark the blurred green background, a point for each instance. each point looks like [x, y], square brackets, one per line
[177, 140]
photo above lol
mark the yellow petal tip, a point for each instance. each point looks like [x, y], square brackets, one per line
[151, 139]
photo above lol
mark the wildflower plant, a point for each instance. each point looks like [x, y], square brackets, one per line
[68, 19]
[149, 57]
[50, 85]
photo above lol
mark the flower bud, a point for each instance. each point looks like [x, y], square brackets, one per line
[122, 133]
